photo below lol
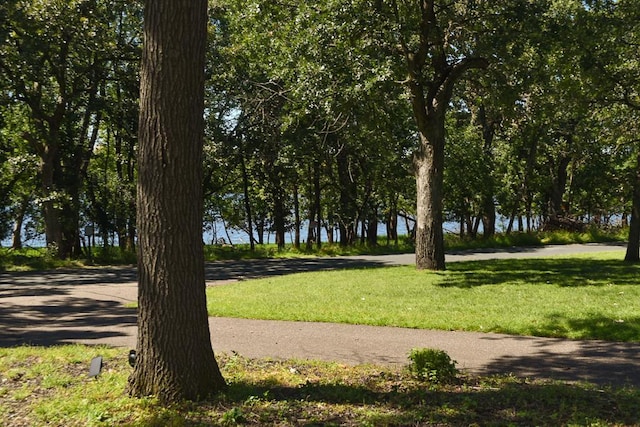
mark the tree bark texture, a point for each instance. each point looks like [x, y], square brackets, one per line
[429, 170]
[633, 246]
[175, 360]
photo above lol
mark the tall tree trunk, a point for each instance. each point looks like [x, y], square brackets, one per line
[372, 227]
[487, 204]
[50, 212]
[247, 202]
[69, 246]
[317, 203]
[175, 359]
[558, 186]
[347, 209]
[259, 222]
[392, 220]
[131, 226]
[633, 246]
[296, 216]
[279, 219]
[312, 195]
[429, 168]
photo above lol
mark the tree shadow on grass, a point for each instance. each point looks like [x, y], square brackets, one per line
[590, 327]
[564, 272]
[502, 402]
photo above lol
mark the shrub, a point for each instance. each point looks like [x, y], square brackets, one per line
[433, 365]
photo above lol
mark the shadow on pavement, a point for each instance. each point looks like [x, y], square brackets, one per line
[63, 321]
[84, 276]
[599, 362]
[31, 283]
[250, 269]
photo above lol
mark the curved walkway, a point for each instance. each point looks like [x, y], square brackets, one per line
[88, 307]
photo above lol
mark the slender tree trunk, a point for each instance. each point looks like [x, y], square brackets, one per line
[330, 229]
[175, 359]
[50, 213]
[247, 202]
[372, 229]
[296, 216]
[510, 225]
[311, 238]
[392, 220]
[633, 246]
[558, 187]
[16, 242]
[347, 210]
[317, 202]
[131, 227]
[260, 226]
[279, 220]
[488, 206]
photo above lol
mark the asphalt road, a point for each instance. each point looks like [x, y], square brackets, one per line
[88, 306]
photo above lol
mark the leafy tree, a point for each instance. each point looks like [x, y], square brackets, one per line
[18, 171]
[437, 41]
[54, 58]
[110, 181]
[309, 91]
[609, 58]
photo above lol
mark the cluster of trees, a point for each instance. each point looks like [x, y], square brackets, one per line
[337, 114]
[318, 111]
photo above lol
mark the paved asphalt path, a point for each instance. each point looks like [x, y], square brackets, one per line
[88, 306]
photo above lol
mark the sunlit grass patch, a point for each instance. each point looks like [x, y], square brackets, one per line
[586, 296]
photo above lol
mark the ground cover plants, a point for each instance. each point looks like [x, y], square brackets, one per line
[50, 386]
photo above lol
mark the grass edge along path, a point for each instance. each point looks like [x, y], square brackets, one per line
[40, 258]
[49, 386]
[589, 296]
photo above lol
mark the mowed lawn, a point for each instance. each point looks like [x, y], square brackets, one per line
[594, 296]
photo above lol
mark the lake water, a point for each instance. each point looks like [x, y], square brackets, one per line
[239, 237]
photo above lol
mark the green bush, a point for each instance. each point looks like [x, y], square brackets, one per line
[433, 365]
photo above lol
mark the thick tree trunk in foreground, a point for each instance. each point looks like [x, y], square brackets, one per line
[175, 359]
[633, 247]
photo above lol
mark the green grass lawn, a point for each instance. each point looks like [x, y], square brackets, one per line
[50, 386]
[593, 296]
